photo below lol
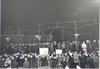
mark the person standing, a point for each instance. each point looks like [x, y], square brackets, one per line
[76, 58]
[64, 63]
[71, 61]
[55, 46]
[84, 47]
[26, 63]
[14, 64]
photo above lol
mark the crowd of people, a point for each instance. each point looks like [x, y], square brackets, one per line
[84, 54]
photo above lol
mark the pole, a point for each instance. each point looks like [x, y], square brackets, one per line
[76, 37]
[75, 24]
[62, 34]
[39, 32]
[39, 28]
[99, 28]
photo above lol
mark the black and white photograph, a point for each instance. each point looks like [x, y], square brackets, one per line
[49, 34]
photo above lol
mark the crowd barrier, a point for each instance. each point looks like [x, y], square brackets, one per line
[39, 64]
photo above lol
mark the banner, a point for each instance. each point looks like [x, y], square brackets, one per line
[58, 51]
[43, 51]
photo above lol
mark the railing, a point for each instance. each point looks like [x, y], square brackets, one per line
[36, 64]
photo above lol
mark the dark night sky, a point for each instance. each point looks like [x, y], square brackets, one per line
[26, 13]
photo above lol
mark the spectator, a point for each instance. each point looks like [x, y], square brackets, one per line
[71, 62]
[26, 63]
[63, 62]
[14, 64]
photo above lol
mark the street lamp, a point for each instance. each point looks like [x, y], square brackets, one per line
[38, 37]
[7, 39]
[76, 32]
[76, 35]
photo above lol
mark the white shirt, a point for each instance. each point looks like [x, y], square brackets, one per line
[84, 46]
